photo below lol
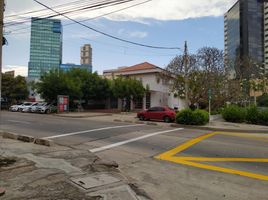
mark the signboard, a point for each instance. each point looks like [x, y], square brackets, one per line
[63, 103]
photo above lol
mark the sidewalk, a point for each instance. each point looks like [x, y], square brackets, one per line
[60, 172]
[216, 124]
[83, 114]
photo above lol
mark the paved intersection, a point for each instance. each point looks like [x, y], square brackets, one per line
[199, 164]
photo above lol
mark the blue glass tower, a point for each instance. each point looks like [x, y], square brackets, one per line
[46, 46]
[244, 33]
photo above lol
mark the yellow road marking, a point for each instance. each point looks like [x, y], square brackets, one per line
[220, 169]
[263, 138]
[184, 146]
[208, 159]
[170, 156]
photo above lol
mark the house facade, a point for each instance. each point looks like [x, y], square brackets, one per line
[158, 87]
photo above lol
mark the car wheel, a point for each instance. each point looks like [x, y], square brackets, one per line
[47, 111]
[141, 117]
[167, 119]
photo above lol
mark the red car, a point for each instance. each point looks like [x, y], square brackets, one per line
[158, 113]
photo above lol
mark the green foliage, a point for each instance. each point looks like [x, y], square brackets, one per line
[76, 83]
[184, 117]
[59, 83]
[14, 89]
[253, 115]
[201, 117]
[189, 117]
[234, 113]
[263, 100]
[79, 84]
[127, 88]
[263, 117]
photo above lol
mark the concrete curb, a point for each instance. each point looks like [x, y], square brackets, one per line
[152, 124]
[43, 142]
[195, 127]
[26, 138]
[218, 129]
[8, 135]
[86, 116]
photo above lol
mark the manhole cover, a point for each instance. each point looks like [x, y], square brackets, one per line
[93, 181]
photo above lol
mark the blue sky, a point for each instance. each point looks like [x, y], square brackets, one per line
[198, 31]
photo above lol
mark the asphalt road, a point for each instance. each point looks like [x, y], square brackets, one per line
[168, 163]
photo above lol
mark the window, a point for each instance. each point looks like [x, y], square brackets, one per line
[153, 109]
[160, 109]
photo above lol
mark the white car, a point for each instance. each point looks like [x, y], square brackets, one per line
[47, 108]
[27, 108]
[34, 108]
[14, 108]
[25, 104]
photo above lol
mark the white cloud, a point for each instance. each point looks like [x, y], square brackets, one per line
[156, 9]
[19, 70]
[138, 34]
[133, 34]
[87, 35]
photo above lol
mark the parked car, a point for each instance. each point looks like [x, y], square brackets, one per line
[158, 113]
[15, 108]
[47, 108]
[28, 108]
[34, 108]
[25, 104]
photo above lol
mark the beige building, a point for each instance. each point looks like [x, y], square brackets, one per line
[159, 93]
[86, 55]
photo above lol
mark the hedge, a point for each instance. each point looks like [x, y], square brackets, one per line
[189, 117]
[251, 115]
[263, 100]
[263, 117]
[234, 113]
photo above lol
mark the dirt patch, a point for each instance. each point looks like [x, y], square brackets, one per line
[6, 162]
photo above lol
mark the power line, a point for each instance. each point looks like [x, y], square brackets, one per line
[13, 32]
[83, 7]
[103, 33]
[69, 4]
[115, 11]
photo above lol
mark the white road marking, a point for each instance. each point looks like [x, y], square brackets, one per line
[92, 130]
[131, 140]
[21, 122]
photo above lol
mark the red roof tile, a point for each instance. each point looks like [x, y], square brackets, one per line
[138, 67]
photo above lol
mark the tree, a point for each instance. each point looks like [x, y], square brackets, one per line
[76, 83]
[177, 69]
[211, 64]
[14, 89]
[205, 71]
[57, 83]
[127, 88]
[95, 88]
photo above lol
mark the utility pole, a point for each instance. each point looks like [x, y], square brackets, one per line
[1, 43]
[186, 73]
